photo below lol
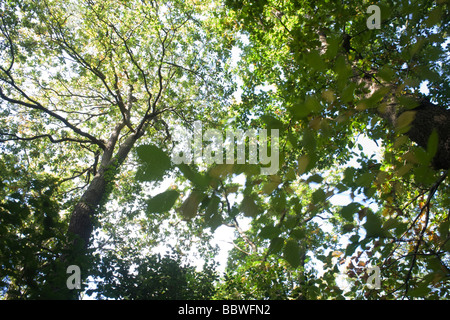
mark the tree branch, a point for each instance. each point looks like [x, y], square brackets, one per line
[425, 208]
[160, 78]
[236, 224]
[37, 106]
[53, 140]
[63, 42]
[11, 47]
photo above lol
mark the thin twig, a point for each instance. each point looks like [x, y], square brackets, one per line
[426, 209]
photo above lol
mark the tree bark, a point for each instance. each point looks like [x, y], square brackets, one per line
[82, 219]
[428, 117]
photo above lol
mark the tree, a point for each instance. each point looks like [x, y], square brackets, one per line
[83, 81]
[154, 278]
[91, 93]
[331, 79]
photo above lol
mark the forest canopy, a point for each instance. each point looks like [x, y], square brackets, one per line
[316, 134]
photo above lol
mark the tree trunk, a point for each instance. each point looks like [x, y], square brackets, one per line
[428, 118]
[82, 219]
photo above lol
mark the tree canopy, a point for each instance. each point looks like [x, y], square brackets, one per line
[100, 100]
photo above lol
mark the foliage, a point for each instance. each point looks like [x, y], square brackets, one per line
[32, 232]
[318, 59]
[153, 278]
[92, 92]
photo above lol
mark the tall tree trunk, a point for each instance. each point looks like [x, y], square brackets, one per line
[82, 219]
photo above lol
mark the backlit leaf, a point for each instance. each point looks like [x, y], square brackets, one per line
[269, 232]
[272, 122]
[213, 217]
[315, 61]
[189, 208]
[198, 179]
[155, 163]
[303, 162]
[432, 145]
[349, 210]
[404, 121]
[373, 225]
[248, 206]
[292, 253]
[276, 244]
[162, 202]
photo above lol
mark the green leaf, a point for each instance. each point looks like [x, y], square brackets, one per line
[269, 232]
[391, 223]
[432, 145]
[446, 246]
[314, 60]
[316, 178]
[351, 249]
[318, 196]
[298, 233]
[292, 253]
[213, 217]
[303, 162]
[417, 46]
[303, 108]
[310, 143]
[373, 225]
[272, 122]
[434, 17]
[404, 169]
[278, 202]
[349, 175]
[354, 238]
[199, 180]
[276, 245]
[299, 110]
[421, 291]
[312, 104]
[162, 202]
[248, 206]
[408, 102]
[221, 170]
[404, 121]
[347, 93]
[422, 156]
[366, 179]
[350, 209]
[189, 208]
[342, 70]
[386, 73]
[154, 163]
[444, 229]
